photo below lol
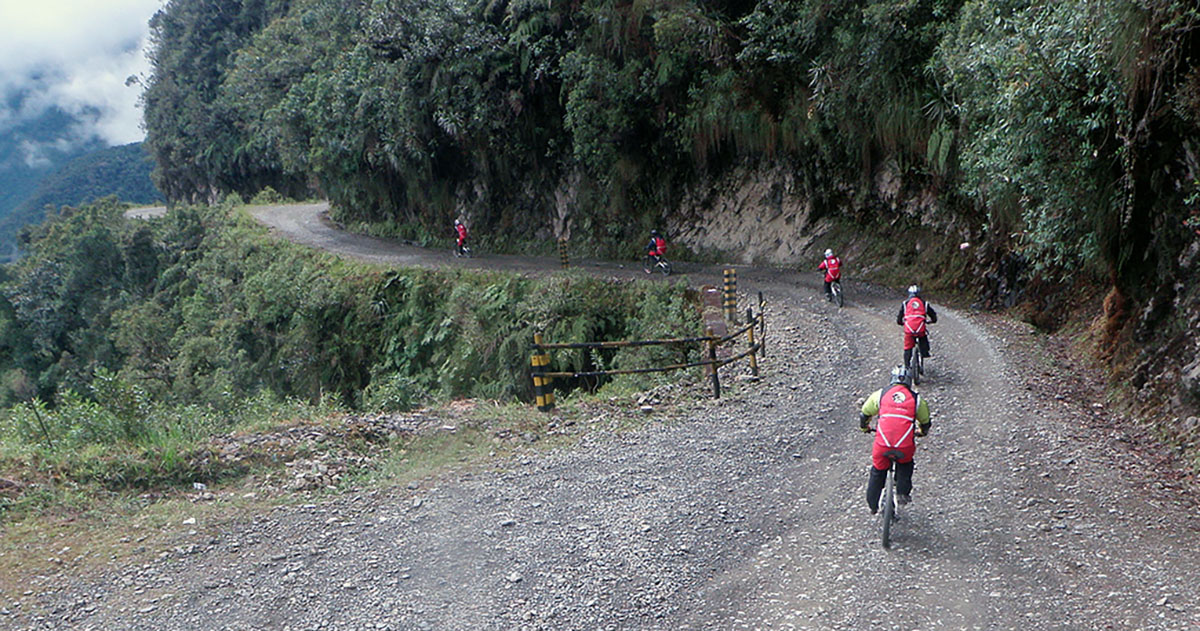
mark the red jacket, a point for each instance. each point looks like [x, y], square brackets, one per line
[897, 419]
[461, 229]
[832, 267]
[915, 311]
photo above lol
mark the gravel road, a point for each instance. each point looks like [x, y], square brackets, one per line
[1031, 507]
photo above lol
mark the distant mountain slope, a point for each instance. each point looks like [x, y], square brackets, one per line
[32, 147]
[122, 171]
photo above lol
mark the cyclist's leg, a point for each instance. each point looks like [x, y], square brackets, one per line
[875, 487]
[924, 340]
[828, 291]
[904, 476]
[909, 343]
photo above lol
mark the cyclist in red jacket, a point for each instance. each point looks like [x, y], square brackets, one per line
[902, 414]
[833, 271]
[460, 231]
[914, 312]
[655, 250]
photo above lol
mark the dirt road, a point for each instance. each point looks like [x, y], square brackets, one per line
[746, 512]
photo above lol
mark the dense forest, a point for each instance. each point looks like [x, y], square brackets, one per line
[1066, 131]
[126, 344]
[203, 307]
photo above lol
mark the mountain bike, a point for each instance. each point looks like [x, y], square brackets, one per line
[916, 363]
[659, 263]
[462, 250]
[835, 288]
[887, 500]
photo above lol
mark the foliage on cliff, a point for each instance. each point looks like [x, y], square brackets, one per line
[1062, 130]
[202, 308]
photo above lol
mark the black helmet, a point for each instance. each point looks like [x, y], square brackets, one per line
[914, 290]
[654, 233]
[900, 374]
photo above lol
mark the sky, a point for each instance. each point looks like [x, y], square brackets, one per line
[76, 55]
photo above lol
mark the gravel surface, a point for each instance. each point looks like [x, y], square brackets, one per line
[746, 512]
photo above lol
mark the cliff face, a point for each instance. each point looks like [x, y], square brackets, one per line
[769, 215]
[749, 215]
[1165, 373]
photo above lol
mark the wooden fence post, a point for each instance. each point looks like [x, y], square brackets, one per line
[716, 381]
[543, 388]
[762, 324]
[750, 331]
[731, 295]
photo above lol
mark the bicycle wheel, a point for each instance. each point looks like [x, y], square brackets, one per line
[664, 266]
[888, 503]
[836, 287]
[914, 365]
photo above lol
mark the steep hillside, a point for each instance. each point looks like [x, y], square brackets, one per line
[31, 150]
[122, 171]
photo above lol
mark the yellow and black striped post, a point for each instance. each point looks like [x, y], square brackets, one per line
[562, 253]
[543, 388]
[750, 331]
[731, 295]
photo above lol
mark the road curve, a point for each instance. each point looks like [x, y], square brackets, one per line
[745, 512]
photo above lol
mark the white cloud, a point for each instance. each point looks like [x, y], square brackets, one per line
[76, 55]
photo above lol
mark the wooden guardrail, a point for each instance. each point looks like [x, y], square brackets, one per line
[543, 380]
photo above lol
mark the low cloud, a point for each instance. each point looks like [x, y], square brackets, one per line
[75, 56]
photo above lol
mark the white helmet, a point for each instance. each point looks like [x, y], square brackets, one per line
[914, 290]
[828, 253]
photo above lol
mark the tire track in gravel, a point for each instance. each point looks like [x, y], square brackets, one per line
[745, 512]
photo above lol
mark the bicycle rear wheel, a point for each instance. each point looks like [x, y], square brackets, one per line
[836, 287]
[888, 503]
[914, 365]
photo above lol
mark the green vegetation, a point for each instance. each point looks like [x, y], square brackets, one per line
[126, 344]
[122, 171]
[32, 149]
[1058, 130]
